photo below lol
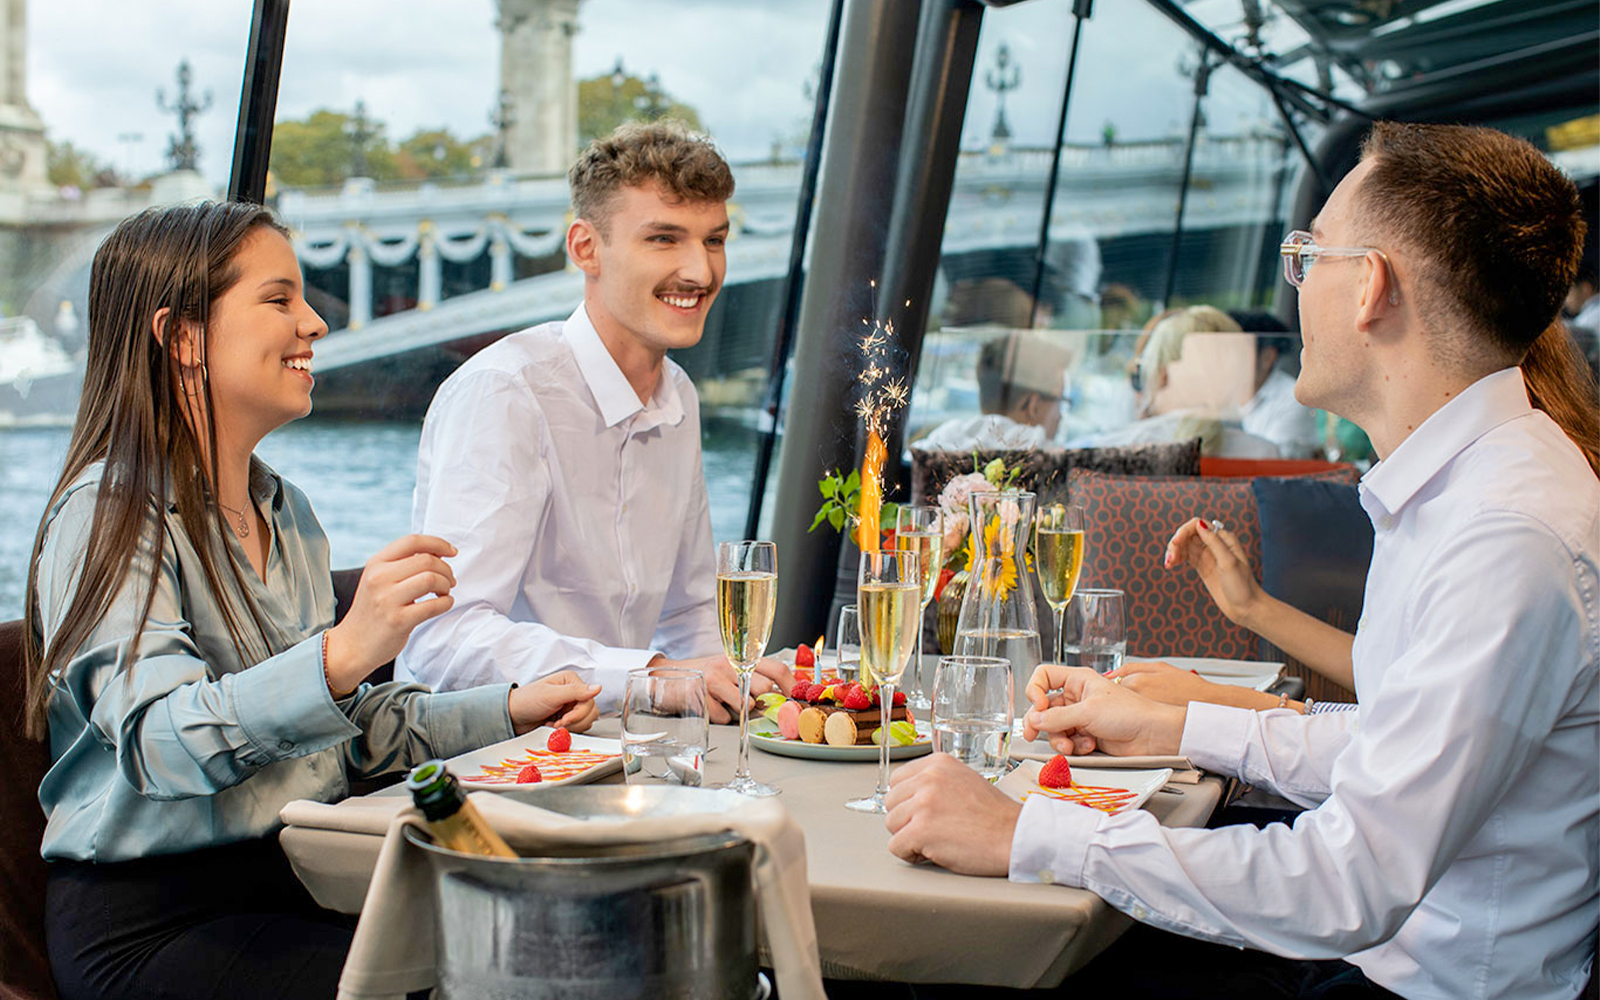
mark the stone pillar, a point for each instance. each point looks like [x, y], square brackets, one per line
[430, 270]
[360, 284]
[22, 146]
[500, 273]
[536, 73]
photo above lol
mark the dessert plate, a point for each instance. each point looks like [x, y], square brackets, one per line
[1108, 790]
[764, 734]
[494, 768]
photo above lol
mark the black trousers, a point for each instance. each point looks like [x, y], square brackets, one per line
[229, 922]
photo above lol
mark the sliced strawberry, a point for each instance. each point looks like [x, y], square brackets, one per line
[529, 775]
[1056, 773]
[560, 741]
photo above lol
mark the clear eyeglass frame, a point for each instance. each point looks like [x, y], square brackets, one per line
[1300, 250]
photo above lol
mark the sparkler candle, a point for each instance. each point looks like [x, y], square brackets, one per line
[880, 396]
[871, 491]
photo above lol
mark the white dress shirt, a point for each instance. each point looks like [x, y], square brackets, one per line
[1273, 413]
[1451, 848]
[580, 515]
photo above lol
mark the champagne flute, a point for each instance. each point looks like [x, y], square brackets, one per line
[888, 595]
[1058, 559]
[747, 589]
[920, 530]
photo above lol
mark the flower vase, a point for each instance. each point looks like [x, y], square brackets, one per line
[997, 616]
[947, 611]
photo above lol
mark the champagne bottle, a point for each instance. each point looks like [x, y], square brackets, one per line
[454, 822]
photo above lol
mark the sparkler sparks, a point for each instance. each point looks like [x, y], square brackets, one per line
[878, 399]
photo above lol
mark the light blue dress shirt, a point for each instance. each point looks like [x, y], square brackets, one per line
[191, 745]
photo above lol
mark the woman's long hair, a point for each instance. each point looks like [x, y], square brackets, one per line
[1561, 384]
[133, 416]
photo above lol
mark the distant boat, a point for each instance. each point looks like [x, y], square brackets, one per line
[39, 381]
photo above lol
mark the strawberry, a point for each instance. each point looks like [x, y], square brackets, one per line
[856, 699]
[560, 741]
[804, 657]
[529, 775]
[814, 692]
[899, 699]
[1056, 773]
[802, 676]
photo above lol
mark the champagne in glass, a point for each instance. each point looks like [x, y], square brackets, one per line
[889, 597]
[747, 584]
[920, 530]
[1058, 559]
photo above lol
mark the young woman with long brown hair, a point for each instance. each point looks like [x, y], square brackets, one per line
[183, 656]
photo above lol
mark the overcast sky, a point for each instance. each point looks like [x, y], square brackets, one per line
[94, 67]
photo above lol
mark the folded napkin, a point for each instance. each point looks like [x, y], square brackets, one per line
[1183, 772]
[363, 814]
[393, 950]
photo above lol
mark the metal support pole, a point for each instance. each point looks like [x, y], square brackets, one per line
[794, 279]
[865, 121]
[1323, 182]
[1202, 80]
[1081, 10]
[258, 101]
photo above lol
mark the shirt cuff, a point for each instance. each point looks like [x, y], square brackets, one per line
[1051, 841]
[284, 707]
[1214, 737]
[610, 671]
[462, 721]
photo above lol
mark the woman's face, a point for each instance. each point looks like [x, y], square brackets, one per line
[258, 354]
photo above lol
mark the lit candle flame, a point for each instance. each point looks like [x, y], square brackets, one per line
[879, 398]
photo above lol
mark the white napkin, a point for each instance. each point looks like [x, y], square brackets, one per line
[393, 950]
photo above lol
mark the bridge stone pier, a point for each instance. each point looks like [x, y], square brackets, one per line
[1104, 193]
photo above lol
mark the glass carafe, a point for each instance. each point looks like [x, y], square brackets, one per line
[997, 616]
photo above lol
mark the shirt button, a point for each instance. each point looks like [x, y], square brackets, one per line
[1139, 913]
[1047, 876]
[1386, 522]
[285, 745]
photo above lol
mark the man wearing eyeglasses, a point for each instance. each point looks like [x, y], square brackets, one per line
[1449, 843]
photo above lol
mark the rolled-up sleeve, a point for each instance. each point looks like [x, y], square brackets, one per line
[403, 725]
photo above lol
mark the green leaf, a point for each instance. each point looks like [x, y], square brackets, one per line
[836, 518]
[822, 515]
[854, 482]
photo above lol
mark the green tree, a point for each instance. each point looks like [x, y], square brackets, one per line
[436, 153]
[608, 100]
[68, 166]
[328, 147]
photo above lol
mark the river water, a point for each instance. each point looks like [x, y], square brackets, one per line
[359, 476]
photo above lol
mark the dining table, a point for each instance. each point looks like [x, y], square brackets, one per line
[877, 917]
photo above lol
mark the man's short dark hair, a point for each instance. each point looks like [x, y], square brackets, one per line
[1495, 228]
[1263, 325]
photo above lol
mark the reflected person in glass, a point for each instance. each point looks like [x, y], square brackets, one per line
[181, 648]
[565, 459]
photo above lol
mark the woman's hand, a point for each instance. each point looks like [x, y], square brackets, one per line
[562, 699]
[1165, 683]
[388, 605]
[1223, 567]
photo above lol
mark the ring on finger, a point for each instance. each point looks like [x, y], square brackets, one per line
[1217, 525]
[1116, 680]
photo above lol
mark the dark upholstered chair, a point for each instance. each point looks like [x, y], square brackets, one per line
[345, 582]
[24, 966]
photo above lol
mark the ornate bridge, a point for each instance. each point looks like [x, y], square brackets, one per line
[1105, 192]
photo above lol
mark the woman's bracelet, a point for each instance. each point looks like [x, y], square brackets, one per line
[327, 677]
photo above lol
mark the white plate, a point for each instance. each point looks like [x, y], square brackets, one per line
[518, 747]
[1258, 674]
[764, 735]
[1023, 782]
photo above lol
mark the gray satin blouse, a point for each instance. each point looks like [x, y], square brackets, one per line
[193, 746]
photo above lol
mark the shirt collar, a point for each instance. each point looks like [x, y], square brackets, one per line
[266, 486]
[1479, 409]
[611, 389]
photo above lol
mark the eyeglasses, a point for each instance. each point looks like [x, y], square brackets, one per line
[1299, 253]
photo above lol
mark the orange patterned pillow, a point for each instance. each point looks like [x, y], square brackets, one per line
[1129, 521]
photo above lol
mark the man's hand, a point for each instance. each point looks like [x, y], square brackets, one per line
[562, 699]
[722, 681]
[1082, 711]
[943, 811]
[1223, 567]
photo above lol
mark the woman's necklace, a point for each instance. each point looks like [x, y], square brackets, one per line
[239, 519]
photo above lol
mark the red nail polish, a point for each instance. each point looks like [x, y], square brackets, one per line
[1202, 524]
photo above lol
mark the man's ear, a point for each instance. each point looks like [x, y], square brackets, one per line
[184, 339]
[1380, 295]
[583, 246]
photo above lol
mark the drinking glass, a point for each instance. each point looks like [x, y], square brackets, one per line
[847, 645]
[920, 530]
[888, 594]
[747, 589]
[972, 712]
[1093, 633]
[1058, 559]
[665, 726]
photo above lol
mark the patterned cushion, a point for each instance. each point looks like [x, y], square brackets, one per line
[1130, 519]
[1045, 471]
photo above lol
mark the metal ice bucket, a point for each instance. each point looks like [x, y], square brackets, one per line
[674, 920]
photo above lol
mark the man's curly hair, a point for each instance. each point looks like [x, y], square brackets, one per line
[686, 165]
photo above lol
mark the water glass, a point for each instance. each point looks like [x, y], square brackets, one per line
[1092, 631]
[972, 712]
[665, 726]
[847, 642]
